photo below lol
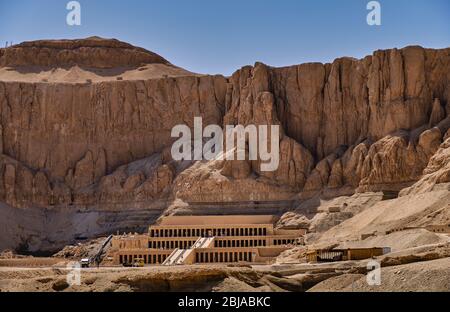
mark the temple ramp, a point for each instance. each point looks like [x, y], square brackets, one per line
[204, 242]
[170, 260]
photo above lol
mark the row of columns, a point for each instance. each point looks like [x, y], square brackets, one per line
[218, 243]
[283, 241]
[262, 231]
[148, 259]
[240, 243]
[170, 244]
[223, 257]
[330, 255]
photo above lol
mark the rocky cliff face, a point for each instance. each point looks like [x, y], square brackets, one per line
[91, 151]
[364, 125]
[91, 52]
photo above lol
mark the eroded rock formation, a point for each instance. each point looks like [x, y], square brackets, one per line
[379, 123]
[93, 52]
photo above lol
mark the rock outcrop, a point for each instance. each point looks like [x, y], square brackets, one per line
[436, 172]
[368, 124]
[90, 52]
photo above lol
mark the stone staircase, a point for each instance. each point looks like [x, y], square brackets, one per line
[179, 256]
[204, 242]
[173, 257]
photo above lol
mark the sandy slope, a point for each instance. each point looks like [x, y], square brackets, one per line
[384, 216]
[418, 277]
[76, 74]
[400, 240]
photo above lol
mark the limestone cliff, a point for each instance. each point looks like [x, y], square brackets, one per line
[90, 52]
[353, 125]
[90, 157]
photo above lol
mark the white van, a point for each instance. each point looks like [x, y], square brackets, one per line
[85, 263]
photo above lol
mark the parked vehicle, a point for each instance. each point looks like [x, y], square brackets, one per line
[139, 263]
[85, 263]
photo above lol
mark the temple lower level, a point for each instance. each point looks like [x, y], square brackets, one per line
[181, 240]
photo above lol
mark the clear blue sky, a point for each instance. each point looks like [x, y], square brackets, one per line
[212, 36]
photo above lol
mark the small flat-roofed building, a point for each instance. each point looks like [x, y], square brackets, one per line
[207, 239]
[332, 255]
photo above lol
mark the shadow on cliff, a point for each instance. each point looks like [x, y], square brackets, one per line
[102, 72]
